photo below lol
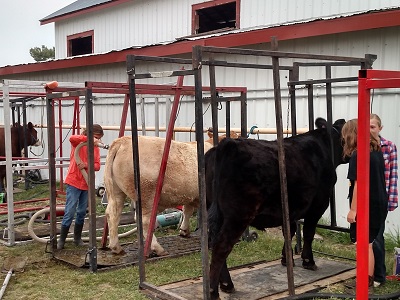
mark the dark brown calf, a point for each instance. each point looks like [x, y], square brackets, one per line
[19, 135]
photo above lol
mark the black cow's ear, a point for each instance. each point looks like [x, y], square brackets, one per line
[320, 123]
[30, 125]
[339, 122]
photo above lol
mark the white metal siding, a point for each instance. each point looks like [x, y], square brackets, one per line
[140, 23]
[271, 12]
[261, 112]
[133, 24]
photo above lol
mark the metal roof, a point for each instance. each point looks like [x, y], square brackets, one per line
[75, 6]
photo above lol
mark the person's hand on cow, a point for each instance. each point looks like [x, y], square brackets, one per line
[351, 216]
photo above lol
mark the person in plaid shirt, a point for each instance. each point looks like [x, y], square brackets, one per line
[389, 151]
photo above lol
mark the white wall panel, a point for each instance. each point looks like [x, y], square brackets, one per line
[139, 23]
[261, 112]
[271, 12]
[132, 24]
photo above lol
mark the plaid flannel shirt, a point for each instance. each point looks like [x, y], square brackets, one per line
[389, 151]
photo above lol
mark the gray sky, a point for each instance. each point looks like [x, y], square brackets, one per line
[20, 29]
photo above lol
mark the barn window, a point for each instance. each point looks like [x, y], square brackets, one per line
[81, 43]
[215, 15]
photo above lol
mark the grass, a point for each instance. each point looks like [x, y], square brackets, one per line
[47, 278]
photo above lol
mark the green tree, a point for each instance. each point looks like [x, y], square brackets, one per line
[42, 54]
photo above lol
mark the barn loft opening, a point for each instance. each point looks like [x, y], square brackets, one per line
[81, 43]
[215, 16]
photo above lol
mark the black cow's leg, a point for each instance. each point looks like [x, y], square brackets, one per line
[225, 280]
[292, 232]
[219, 272]
[310, 224]
[216, 266]
[320, 204]
[229, 234]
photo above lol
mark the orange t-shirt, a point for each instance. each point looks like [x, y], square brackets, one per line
[74, 175]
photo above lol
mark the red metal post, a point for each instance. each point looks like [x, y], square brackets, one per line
[163, 166]
[124, 116]
[363, 139]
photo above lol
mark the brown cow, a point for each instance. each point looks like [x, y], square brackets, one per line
[180, 182]
[17, 144]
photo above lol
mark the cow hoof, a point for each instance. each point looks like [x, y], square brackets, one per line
[118, 252]
[155, 254]
[310, 265]
[214, 295]
[227, 287]
[283, 262]
[184, 233]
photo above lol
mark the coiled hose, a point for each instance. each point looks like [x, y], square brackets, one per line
[46, 210]
[62, 208]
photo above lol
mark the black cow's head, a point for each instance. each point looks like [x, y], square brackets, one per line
[31, 136]
[336, 138]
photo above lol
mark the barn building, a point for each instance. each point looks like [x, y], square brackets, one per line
[94, 37]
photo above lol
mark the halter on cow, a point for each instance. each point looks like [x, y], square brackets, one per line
[180, 183]
[243, 174]
[17, 144]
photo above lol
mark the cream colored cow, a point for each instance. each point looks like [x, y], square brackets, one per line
[180, 183]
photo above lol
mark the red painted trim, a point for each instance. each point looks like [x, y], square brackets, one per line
[84, 11]
[288, 32]
[238, 13]
[210, 3]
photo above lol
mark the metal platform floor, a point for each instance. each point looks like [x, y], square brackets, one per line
[269, 280]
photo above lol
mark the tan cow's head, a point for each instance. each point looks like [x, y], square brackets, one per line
[232, 135]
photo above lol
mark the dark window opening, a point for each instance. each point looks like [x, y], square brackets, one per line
[80, 44]
[216, 17]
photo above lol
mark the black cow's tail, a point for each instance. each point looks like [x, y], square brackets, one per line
[223, 155]
[214, 223]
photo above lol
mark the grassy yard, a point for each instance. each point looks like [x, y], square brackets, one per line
[47, 278]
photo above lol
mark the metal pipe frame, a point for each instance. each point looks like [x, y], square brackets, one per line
[368, 80]
[70, 90]
[134, 89]
[198, 61]
[293, 82]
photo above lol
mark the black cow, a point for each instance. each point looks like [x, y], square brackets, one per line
[243, 188]
[17, 144]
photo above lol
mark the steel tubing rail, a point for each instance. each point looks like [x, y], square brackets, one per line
[280, 54]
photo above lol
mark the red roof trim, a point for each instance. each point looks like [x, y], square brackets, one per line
[83, 11]
[285, 32]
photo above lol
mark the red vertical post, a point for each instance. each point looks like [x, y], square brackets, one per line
[363, 166]
[163, 166]
[124, 116]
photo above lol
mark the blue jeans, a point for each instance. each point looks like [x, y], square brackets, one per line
[378, 247]
[77, 201]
